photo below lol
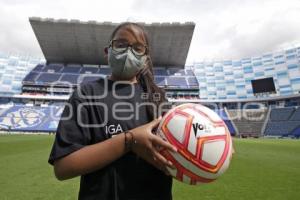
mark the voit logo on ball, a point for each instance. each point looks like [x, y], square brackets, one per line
[199, 129]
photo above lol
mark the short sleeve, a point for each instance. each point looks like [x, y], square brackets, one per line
[70, 136]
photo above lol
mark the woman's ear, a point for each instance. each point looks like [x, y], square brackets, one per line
[106, 53]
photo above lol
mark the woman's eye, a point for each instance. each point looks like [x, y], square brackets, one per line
[121, 45]
[139, 47]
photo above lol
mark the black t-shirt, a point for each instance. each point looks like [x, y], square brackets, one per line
[108, 109]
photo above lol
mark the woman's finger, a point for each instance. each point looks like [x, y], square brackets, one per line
[162, 168]
[155, 122]
[158, 141]
[159, 166]
[159, 158]
[167, 172]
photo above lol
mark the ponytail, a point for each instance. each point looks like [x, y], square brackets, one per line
[156, 95]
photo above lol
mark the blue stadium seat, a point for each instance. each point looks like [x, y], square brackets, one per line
[177, 81]
[296, 115]
[31, 77]
[53, 68]
[296, 133]
[71, 69]
[180, 72]
[38, 68]
[160, 72]
[71, 78]
[192, 81]
[4, 101]
[104, 71]
[48, 77]
[189, 72]
[173, 71]
[89, 70]
[73, 65]
[160, 80]
[281, 114]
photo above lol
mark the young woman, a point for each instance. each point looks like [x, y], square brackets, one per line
[106, 131]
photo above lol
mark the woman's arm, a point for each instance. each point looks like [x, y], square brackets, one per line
[99, 155]
[90, 158]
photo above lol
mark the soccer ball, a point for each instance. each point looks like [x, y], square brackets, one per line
[203, 141]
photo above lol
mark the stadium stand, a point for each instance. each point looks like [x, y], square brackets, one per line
[67, 59]
[281, 114]
[13, 69]
[223, 114]
[249, 122]
[32, 88]
[30, 118]
[296, 115]
[283, 122]
[296, 133]
[51, 73]
[231, 79]
[60, 75]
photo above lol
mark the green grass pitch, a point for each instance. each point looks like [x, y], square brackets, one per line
[260, 169]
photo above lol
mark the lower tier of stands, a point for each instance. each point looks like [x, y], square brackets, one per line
[284, 122]
[249, 122]
[223, 114]
[276, 122]
[30, 118]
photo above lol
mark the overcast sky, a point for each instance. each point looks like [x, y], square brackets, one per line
[227, 29]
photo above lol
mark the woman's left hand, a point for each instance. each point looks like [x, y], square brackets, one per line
[148, 144]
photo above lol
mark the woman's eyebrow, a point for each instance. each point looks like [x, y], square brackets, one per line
[121, 39]
[126, 40]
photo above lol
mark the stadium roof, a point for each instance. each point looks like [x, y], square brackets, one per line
[73, 41]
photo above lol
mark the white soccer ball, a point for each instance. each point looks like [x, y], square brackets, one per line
[203, 141]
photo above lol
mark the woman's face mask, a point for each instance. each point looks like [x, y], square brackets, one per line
[125, 65]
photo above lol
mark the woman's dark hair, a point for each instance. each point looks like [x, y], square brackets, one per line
[145, 76]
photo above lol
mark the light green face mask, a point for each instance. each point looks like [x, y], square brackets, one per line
[125, 65]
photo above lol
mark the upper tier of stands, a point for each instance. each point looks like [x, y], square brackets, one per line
[231, 79]
[73, 74]
[12, 71]
[217, 80]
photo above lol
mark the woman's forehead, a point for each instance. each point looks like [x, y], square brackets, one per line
[131, 33]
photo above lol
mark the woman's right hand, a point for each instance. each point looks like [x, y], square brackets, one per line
[147, 145]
